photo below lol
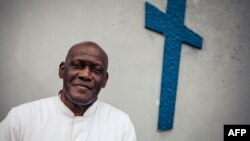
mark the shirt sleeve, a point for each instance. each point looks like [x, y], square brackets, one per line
[129, 134]
[10, 127]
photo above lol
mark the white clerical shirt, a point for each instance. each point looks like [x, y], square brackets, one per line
[50, 120]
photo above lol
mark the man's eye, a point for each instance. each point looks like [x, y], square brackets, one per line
[75, 65]
[97, 70]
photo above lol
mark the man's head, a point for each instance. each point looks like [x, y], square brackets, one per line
[84, 73]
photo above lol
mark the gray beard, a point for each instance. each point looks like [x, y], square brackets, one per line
[79, 104]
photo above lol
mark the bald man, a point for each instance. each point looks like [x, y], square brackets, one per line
[75, 114]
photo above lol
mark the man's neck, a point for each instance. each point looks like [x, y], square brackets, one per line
[77, 110]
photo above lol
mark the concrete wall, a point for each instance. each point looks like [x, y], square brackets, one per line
[213, 82]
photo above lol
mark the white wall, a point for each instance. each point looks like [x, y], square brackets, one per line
[213, 82]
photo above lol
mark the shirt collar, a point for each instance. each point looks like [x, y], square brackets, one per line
[91, 110]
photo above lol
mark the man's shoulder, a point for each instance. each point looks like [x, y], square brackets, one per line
[113, 118]
[105, 108]
[34, 105]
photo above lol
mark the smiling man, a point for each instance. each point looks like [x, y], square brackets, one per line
[84, 73]
[75, 114]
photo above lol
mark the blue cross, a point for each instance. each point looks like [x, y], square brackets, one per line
[171, 25]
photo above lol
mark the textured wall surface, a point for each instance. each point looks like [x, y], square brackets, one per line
[213, 85]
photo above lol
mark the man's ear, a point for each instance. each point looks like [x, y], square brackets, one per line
[61, 70]
[105, 80]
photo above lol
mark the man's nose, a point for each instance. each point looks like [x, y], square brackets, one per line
[85, 74]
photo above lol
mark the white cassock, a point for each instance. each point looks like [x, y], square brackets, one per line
[50, 120]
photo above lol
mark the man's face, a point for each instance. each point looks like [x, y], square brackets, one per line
[84, 73]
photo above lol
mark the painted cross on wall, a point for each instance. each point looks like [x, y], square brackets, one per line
[171, 25]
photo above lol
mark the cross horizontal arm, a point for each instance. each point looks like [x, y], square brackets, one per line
[191, 38]
[154, 18]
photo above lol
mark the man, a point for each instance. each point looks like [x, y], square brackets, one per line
[75, 114]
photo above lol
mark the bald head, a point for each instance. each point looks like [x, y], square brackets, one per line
[90, 48]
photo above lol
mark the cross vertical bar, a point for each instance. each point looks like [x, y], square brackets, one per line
[169, 81]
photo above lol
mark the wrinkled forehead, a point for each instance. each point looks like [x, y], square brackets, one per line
[79, 51]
